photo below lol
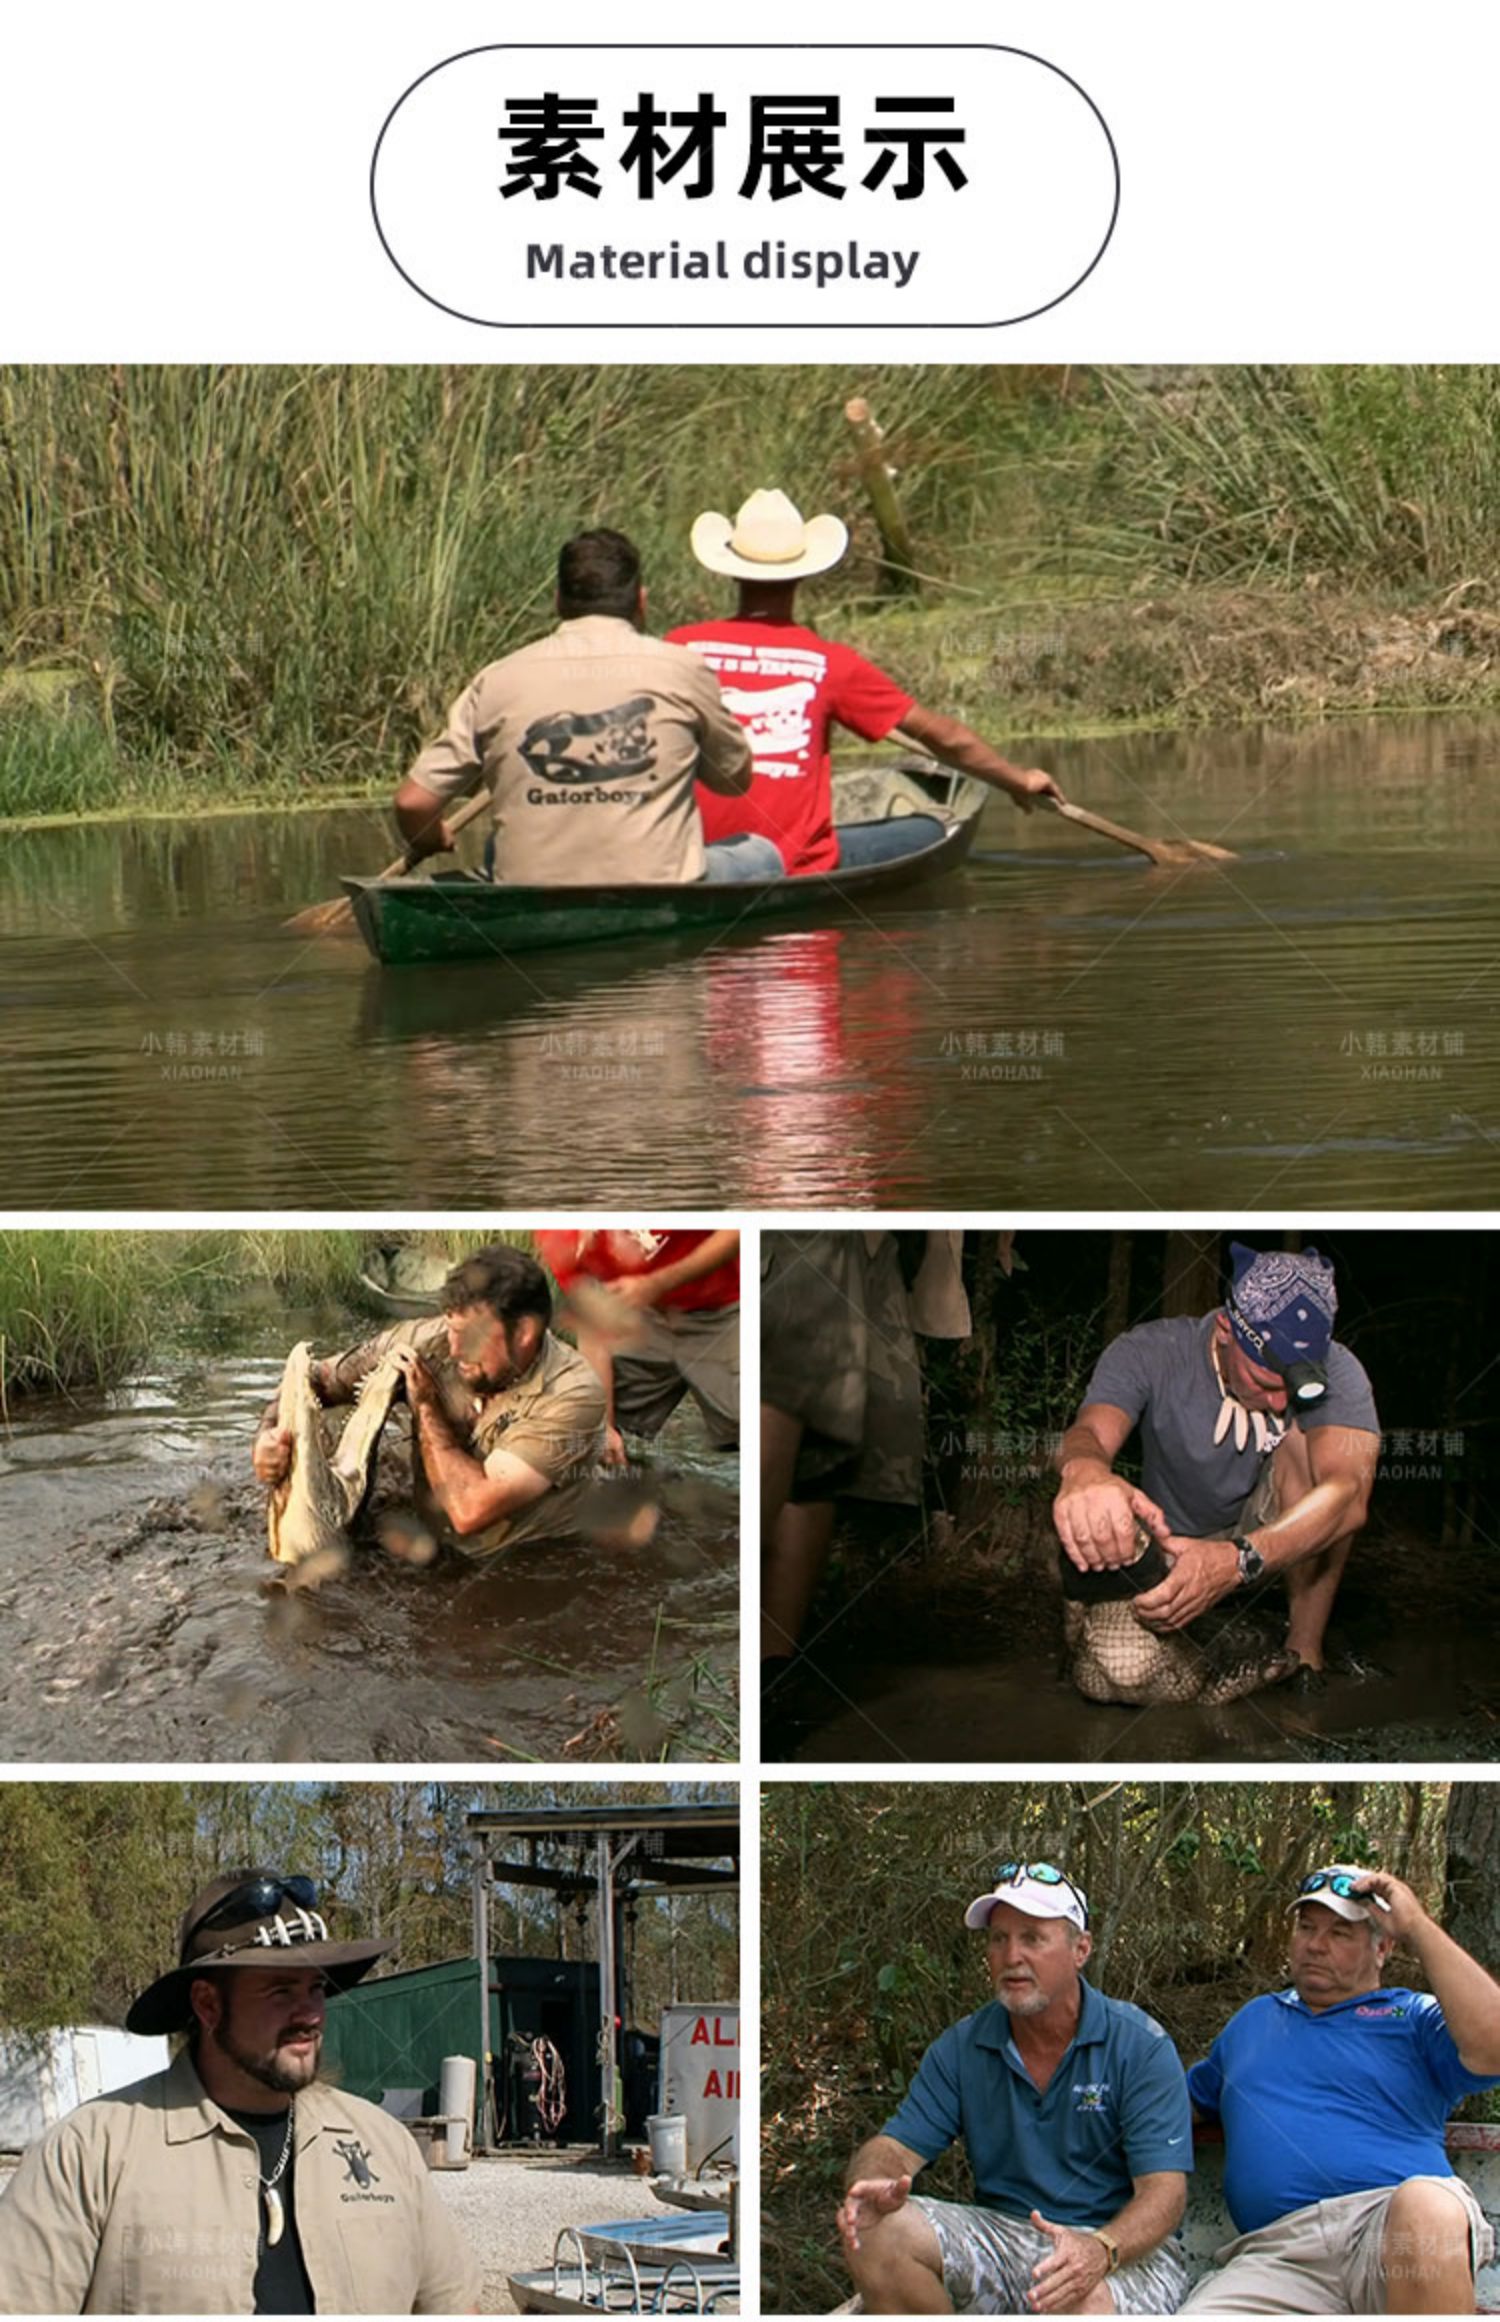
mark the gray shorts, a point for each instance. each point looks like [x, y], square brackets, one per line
[988, 2260]
[1325, 2259]
[695, 1353]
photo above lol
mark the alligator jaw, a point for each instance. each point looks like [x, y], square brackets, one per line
[310, 1510]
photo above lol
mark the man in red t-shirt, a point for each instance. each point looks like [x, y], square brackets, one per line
[678, 1295]
[787, 685]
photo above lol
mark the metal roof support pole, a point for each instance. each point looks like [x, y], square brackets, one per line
[484, 2121]
[605, 1897]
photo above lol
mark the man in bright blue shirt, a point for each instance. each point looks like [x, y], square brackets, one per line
[1334, 2097]
[1074, 2113]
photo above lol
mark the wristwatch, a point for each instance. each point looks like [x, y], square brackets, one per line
[1252, 1563]
[1111, 2246]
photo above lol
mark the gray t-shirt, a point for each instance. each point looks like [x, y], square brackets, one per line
[1163, 1376]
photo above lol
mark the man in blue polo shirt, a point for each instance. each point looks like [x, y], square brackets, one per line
[1334, 2097]
[1074, 2113]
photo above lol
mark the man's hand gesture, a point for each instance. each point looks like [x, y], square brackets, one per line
[1076, 2264]
[868, 2201]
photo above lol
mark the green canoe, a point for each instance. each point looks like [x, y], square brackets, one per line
[412, 922]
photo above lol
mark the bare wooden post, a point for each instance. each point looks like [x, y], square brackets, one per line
[898, 556]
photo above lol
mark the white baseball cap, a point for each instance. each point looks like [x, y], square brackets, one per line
[1039, 1889]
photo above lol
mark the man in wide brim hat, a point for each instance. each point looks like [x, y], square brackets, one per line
[207, 1941]
[788, 686]
[235, 2181]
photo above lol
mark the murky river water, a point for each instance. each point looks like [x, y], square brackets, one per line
[1060, 1025]
[142, 1618]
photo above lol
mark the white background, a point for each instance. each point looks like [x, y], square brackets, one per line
[1312, 182]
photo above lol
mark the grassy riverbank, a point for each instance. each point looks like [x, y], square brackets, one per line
[82, 1309]
[264, 585]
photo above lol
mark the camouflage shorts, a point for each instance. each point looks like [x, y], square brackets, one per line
[988, 2260]
[838, 1352]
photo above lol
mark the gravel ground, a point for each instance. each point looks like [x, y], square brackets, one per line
[511, 2210]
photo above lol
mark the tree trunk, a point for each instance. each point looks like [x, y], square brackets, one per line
[1117, 1293]
[1473, 1841]
[1192, 1282]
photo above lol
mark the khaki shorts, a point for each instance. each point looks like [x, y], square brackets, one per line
[838, 1352]
[988, 2259]
[1325, 2259]
[680, 1353]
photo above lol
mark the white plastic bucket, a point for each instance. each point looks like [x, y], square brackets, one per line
[456, 2099]
[668, 2134]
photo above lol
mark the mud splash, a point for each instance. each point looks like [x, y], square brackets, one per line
[143, 1620]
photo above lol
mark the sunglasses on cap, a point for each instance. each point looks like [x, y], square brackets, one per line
[256, 1899]
[1343, 1883]
[1046, 1874]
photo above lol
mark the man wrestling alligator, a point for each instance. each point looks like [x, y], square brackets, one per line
[1259, 1439]
[507, 1421]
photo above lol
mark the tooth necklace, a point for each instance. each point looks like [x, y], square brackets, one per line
[1232, 1413]
[275, 2212]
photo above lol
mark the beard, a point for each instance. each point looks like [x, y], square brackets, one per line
[283, 2076]
[1029, 2001]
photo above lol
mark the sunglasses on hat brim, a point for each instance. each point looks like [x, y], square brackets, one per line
[1342, 1883]
[256, 1899]
[1046, 1874]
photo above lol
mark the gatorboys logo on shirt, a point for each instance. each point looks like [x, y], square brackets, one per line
[1090, 2095]
[582, 746]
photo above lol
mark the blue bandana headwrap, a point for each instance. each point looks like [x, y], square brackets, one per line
[1282, 1305]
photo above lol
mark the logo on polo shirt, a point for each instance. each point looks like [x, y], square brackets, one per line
[356, 2158]
[1091, 2095]
[1386, 2008]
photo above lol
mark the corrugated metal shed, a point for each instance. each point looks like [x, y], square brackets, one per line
[392, 2032]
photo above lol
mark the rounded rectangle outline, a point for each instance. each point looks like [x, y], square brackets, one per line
[760, 48]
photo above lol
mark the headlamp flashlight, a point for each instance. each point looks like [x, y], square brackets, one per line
[1306, 1382]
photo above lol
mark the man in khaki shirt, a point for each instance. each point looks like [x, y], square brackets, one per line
[235, 2182]
[590, 743]
[508, 1421]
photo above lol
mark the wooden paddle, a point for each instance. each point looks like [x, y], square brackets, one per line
[1170, 853]
[1163, 851]
[337, 918]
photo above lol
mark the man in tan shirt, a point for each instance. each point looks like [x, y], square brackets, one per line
[508, 1421]
[590, 743]
[235, 2182]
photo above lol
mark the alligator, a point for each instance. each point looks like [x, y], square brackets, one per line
[1112, 1656]
[311, 1509]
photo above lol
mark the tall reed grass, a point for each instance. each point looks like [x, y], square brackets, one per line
[271, 582]
[82, 1309]
[1384, 476]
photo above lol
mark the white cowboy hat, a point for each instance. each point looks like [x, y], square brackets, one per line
[768, 541]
